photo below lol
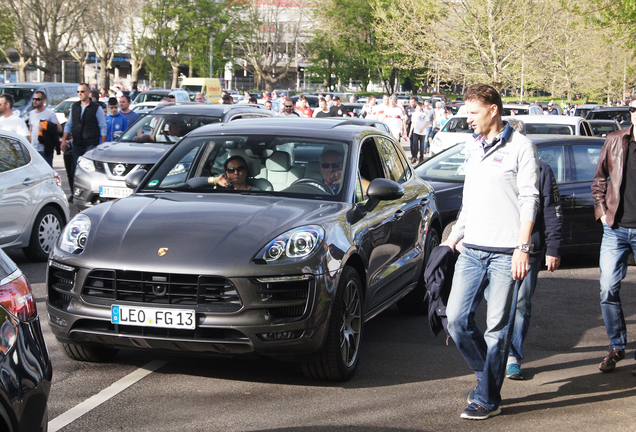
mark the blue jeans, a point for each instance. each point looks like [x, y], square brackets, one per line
[480, 274]
[524, 310]
[615, 248]
[428, 132]
[48, 157]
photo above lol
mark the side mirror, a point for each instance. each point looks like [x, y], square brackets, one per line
[134, 178]
[382, 189]
[117, 135]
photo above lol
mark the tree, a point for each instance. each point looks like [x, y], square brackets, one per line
[269, 29]
[16, 36]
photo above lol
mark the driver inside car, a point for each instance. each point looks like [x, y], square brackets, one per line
[330, 164]
[176, 129]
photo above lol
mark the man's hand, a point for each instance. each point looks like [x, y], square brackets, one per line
[334, 177]
[450, 244]
[64, 144]
[520, 265]
[552, 262]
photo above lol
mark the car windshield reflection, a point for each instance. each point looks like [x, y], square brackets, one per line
[166, 128]
[285, 166]
[446, 166]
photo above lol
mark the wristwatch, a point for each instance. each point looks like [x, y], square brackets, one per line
[526, 247]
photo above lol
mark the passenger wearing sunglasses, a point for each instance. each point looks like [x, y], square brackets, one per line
[44, 128]
[236, 175]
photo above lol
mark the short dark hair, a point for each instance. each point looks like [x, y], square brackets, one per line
[7, 98]
[485, 94]
[112, 102]
[227, 99]
[42, 93]
[102, 104]
[253, 100]
[126, 96]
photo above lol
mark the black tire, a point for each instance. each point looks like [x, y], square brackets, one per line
[415, 302]
[45, 232]
[339, 357]
[447, 230]
[89, 354]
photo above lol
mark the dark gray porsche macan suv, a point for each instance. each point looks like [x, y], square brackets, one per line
[290, 269]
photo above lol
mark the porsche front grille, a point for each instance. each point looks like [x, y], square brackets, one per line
[106, 286]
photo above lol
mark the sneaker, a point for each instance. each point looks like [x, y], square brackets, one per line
[421, 159]
[414, 160]
[474, 411]
[614, 355]
[513, 372]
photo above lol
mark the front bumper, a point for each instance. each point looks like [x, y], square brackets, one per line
[270, 318]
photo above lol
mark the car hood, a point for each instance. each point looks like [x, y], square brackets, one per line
[128, 152]
[202, 233]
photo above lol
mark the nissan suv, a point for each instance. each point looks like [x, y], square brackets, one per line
[101, 172]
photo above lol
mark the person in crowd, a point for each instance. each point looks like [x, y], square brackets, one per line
[547, 241]
[94, 95]
[268, 105]
[322, 110]
[409, 109]
[226, 99]
[352, 99]
[252, 100]
[369, 110]
[199, 98]
[44, 128]
[303, 107]
[430, 118]
[288, 109]
[614, 193]
[9, 121]
[337, 109]
[102, 93]
[499, 206]
[439, 114]
[115, 121]
[447, 114]
[417, 133]
[69, 164]
[124, 108]
[394, 117]
[87, 124]
[133, 92]
[551, 109]
[329, 101]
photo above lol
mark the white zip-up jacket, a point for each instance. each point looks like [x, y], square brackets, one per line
[501, 189]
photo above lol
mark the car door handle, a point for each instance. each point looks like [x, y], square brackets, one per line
[398, 215]
[425, 201]
[27, 181]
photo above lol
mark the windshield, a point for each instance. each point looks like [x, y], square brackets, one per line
[21, 96]
[603, 129]
[515, 111]
[166, 128]
[285, 166]
[457, 124]
[550, 129]
[617, 115]
[446, 166]
[61, 108]
[192, 88]
[150, 97]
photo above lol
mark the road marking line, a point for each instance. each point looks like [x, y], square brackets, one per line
[94, 401]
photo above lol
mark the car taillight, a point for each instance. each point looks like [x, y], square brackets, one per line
[17, 298]
[58, 179]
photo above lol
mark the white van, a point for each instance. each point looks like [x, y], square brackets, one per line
[210, 87]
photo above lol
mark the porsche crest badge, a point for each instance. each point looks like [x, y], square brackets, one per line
[162, 251]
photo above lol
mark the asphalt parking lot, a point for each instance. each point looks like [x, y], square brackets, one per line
[408, 379]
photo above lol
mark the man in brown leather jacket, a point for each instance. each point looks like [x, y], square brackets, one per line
[614, 192]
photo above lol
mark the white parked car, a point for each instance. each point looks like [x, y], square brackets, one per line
[454, 131]
[521, 109]
[34, 208]
[555, 125]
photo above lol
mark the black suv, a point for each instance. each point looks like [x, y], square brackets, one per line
[619, 113]
[101, 172]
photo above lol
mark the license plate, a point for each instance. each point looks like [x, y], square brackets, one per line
[114, 192]
[153, 317]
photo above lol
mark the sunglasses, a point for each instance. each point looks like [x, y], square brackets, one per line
[334, 165]
[289, 106]
[37, 99]
[632, 109]
[239, 169]
[81, 91]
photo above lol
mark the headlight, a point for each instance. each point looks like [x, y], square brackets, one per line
[75, 234]
[296, 245]
[86, 164]
[436, 142]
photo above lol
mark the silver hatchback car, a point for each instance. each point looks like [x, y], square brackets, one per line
[34, 206]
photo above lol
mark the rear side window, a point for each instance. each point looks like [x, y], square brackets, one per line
[12, 154]
[393, 166]
[554, 156]
[585, 160]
